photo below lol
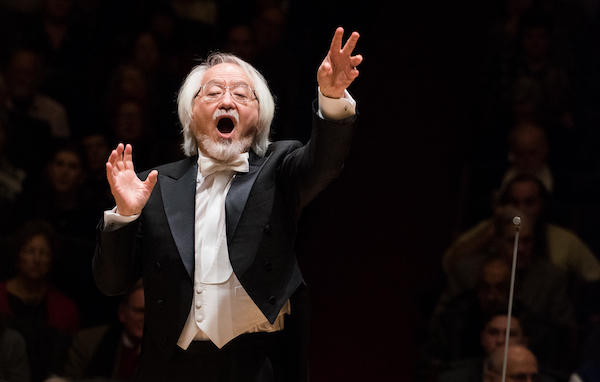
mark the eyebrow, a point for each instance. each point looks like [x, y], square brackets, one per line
[223, 82]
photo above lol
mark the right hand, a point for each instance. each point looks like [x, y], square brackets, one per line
[130, 193]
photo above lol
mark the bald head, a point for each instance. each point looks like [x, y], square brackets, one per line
[521, 365]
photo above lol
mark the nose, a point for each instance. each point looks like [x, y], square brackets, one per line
[227, 100]
[500, 338]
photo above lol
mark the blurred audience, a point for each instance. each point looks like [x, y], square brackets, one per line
[521, 365]
[110, 351]
[11, 178]
[24, 77]
[492, 337]
[45, 317]
[14, 365]
[560, 245]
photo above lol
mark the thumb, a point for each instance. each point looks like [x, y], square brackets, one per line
[151, 179]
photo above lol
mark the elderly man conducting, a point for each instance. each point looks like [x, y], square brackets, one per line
[213, 235]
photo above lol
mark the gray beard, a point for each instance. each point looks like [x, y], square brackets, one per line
[224, 150]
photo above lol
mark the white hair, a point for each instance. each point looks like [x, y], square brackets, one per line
[191, 85]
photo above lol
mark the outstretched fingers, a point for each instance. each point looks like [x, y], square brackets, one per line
[350, 43]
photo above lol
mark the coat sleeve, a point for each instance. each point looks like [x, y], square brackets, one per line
[115, 264]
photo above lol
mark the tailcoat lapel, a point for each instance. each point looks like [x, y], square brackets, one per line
[177, 191]
[240, 190]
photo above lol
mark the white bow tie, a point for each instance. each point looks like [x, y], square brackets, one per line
[238, 164]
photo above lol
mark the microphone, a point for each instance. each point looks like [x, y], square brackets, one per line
[517, 223]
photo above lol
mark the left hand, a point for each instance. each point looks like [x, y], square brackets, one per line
[338, 69]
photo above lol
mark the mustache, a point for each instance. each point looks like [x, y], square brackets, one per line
[229, 113]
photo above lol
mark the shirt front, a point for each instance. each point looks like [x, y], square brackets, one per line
[221, 309]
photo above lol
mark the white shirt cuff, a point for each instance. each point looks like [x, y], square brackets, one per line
[113, 220]
[336, 108]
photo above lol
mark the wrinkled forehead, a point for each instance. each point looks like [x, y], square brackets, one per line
[227, 74]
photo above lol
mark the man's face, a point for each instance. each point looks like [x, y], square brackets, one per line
[525, 246]
[34, 260]
[129, 122]
[23, 75]
[65, 171]
[97, 151]
[231, 132]
[530, 149]
[131, 315]
[525, 196]
[493, 289]
[494, 333]
[521, 367]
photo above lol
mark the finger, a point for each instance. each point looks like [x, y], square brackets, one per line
[152, 177]
[351, 43]
[356, 60]
[324, 69]
[109, 174]
[119, 150]
[128, 153]
[112, 157]
[336, 41]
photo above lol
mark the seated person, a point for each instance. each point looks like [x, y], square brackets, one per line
[14, 365]
[44, 316]
[110, 351]
[492, 337]
[561, 246]
[521, 365]
[540, 285]
[540, 288]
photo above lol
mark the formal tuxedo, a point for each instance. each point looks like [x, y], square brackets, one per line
[262, 209]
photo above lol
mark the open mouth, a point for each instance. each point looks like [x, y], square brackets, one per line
[225, 125]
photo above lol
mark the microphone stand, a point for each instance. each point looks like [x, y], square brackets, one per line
[517, 223]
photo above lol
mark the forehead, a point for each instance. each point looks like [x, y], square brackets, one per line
[525, 189]
[496, 271]
[500, 321]
[37, 239]
[227, 73]
[66, 156]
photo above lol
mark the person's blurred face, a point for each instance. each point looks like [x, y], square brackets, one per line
[132, 82]
[493, 288]
[536, 43]
[224, 128]
[23, 75]
[521, 365]
[131, 315]
[506, 244]
[97, 151]
[241, 42]
[529, 149]
[494, 333]
[35, 257]
[146, 53]
[525, 196]
[129, 123]
[59, 10]
[65, 171]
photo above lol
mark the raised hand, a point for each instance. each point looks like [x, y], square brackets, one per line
[130, 193]
[338, 69]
